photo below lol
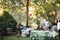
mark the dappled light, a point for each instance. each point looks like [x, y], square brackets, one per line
[30, 19]
[1, 11]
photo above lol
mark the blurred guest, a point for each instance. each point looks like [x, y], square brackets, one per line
[18, 30]
[28, 29]
[58, 27]
[54, 26]
[46, 24]
[40, 28]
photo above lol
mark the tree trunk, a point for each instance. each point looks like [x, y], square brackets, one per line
[27, 7]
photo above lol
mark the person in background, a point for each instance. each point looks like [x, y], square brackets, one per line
[54, 26]
[40, 28]
[18, 30]
[28, 29]
[46, 25]
[58, 27]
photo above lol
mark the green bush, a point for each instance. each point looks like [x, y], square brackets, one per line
[7, 21]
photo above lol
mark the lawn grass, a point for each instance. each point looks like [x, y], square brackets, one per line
[15, 38]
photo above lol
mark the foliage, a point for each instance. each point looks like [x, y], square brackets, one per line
[43, 8]
[7, 21]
